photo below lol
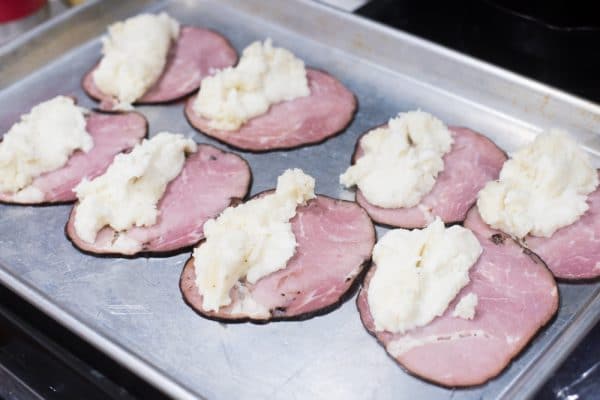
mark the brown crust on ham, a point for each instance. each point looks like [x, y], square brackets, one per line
[291, 124]
[461, 181]
[283, 290]
[198, 51]
[216, 187]
[80, 164]
[485, 346]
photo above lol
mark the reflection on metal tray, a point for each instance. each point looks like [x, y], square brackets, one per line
[132, 309]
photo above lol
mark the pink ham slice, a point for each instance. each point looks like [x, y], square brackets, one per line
[472, 161]
[517, 296]
[335, 239]
[573, 252]
[196, 54]
[306, 120]
[209, 181]
[112, 134]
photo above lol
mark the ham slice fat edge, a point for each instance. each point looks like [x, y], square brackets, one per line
[308, 120]
[209, 182]
[573, 252]
[196, 54]
[334, 243]
[472, 161]
[111, 133]
[517, 297]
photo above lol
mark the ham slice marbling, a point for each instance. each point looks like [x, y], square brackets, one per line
[196, 54]
[209, 182]
[472, 161]
[335, 239]
[517, 296]
[306, 120]
[112, 134]
[573, 252]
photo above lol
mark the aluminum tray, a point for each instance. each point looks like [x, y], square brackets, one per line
[132, 309]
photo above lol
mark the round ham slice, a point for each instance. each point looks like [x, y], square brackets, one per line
[573, 252]
[335, 239]
[196, 54]
[306, 120]
[472, 161]
[112, 134]
[517, 296]
[208, 183]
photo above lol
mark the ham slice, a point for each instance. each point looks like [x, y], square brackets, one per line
[573, 252]
[209, 181]
[335, 239]
[196, 54]
[472, 161]
[112, 134]
[306, 120]
[517, 296]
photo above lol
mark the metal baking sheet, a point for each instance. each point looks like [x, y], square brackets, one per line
[132, 309]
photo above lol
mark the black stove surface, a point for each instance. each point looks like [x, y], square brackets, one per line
[551, 41]
[40, 359]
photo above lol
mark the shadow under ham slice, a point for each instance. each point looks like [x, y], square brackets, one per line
[196, 54]
[111, 133]
[573, 252]
[335, 239]
[306, 120]
[517, 296]
[472, 161]
[208, 183]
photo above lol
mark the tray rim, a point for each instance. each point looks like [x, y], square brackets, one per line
[452, 54]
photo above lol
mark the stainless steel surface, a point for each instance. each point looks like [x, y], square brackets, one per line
[42, 44]
[52, 9]
[10, 30]
[346, 5]
[132, 309]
